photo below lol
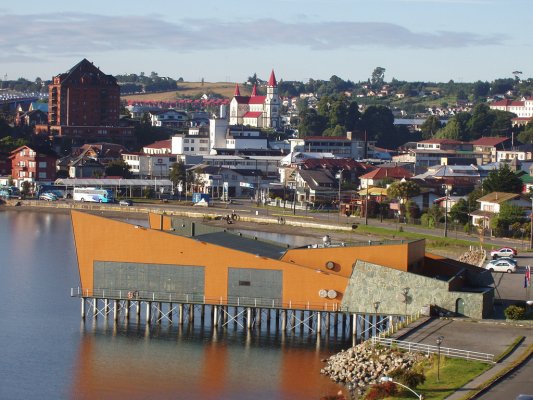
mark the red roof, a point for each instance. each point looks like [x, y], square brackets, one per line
[252, 114]
[254, 91]
[272, 81]
[250, 100]
[507, 103]
[237, 91]
[161, 144]
[489, 141]
[393, 172]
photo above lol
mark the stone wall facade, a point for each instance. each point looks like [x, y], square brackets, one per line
[399, 292]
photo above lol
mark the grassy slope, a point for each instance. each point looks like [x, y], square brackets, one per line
[192, 89]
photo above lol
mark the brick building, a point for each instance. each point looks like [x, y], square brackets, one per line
[33, 164]
[84, 105]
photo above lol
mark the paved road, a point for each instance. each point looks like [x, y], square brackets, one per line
[519, 382]
[491, 337]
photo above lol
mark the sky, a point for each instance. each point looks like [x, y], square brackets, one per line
[414, 40]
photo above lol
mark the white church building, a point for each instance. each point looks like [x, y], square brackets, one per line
[257, 111]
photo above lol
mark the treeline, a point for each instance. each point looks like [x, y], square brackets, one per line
[24, 85]
[336, 115]
[133, 83]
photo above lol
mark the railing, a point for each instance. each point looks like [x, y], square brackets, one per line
[194, 298]
[431, 349]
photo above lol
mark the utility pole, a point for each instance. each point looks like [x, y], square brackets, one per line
[366, 204]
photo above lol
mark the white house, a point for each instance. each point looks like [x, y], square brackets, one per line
[149, 165]
[490, 204]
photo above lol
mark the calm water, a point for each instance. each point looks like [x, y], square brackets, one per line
[46, 352]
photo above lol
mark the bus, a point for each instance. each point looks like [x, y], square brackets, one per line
[93, 194]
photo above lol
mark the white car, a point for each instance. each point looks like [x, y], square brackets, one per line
[501, 266]
[503, 252]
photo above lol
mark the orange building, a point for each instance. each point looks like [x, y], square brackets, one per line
[183, 261]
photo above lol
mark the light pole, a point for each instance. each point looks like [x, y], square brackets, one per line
[366, 204]
[389, 379]
[531, 223]
[339, 177]
[439, 341]
[445, 210]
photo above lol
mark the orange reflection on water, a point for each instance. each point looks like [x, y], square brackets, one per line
[161, 364]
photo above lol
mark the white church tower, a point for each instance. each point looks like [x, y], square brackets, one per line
[272, 104]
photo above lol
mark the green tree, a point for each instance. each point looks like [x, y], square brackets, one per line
[480, 89]
[459, 212]
[509, 214]
[430, 126]
[311, 123]
[526, 136]
[118, 168]
[378, 122]
[403, 190]
[481, 122]
[502, 180]
[378, 77]
[178, 173]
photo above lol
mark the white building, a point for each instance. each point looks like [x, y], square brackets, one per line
[169, 118]
[149, 165]
[257, 111]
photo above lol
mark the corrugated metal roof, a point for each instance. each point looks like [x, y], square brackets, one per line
[112, 182]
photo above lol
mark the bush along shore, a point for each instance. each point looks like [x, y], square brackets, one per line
[362, 366]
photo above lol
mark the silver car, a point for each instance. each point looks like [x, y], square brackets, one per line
[501, 266]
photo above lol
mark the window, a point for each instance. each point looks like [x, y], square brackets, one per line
[42, 164]
[31, 164]
[42, 175]
[244, 283]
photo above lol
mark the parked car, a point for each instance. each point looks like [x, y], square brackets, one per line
[511, 260]
[125, 202]
[501, 266]
[48, 196]
[503, 252]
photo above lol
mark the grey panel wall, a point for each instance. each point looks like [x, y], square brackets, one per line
[255, 285]
[149, 277]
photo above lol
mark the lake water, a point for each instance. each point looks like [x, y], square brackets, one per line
[47, 352]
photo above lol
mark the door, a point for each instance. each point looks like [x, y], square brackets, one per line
[460, 306]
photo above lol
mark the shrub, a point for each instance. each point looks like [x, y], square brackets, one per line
[515, 312]
[408, 377]
[381, 391]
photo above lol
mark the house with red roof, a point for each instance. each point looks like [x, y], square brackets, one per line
[255, 110]
[442, 152]
[159, 147]
[486, 148]
[523, 108]
[380, 174]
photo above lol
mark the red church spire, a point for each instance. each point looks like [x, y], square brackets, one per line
[254, 91]
[237, 91]
[272, 81]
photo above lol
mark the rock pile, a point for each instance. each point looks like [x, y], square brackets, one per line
[474, 256]
[363, 365]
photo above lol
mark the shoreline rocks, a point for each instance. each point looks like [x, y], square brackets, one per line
[363, 365]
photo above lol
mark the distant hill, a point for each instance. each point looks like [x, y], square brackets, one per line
[192, 90]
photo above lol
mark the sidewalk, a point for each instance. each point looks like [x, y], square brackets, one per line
[489, 375]
[487, 336]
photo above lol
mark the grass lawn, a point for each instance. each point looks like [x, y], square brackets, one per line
[454, 374]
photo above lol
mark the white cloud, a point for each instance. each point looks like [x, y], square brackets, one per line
[30, 37]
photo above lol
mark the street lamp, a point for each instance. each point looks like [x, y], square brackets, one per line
[445, 187]
[531, 223]
[339, 177]
[439, 341]
[389, 379]
[366, 204]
